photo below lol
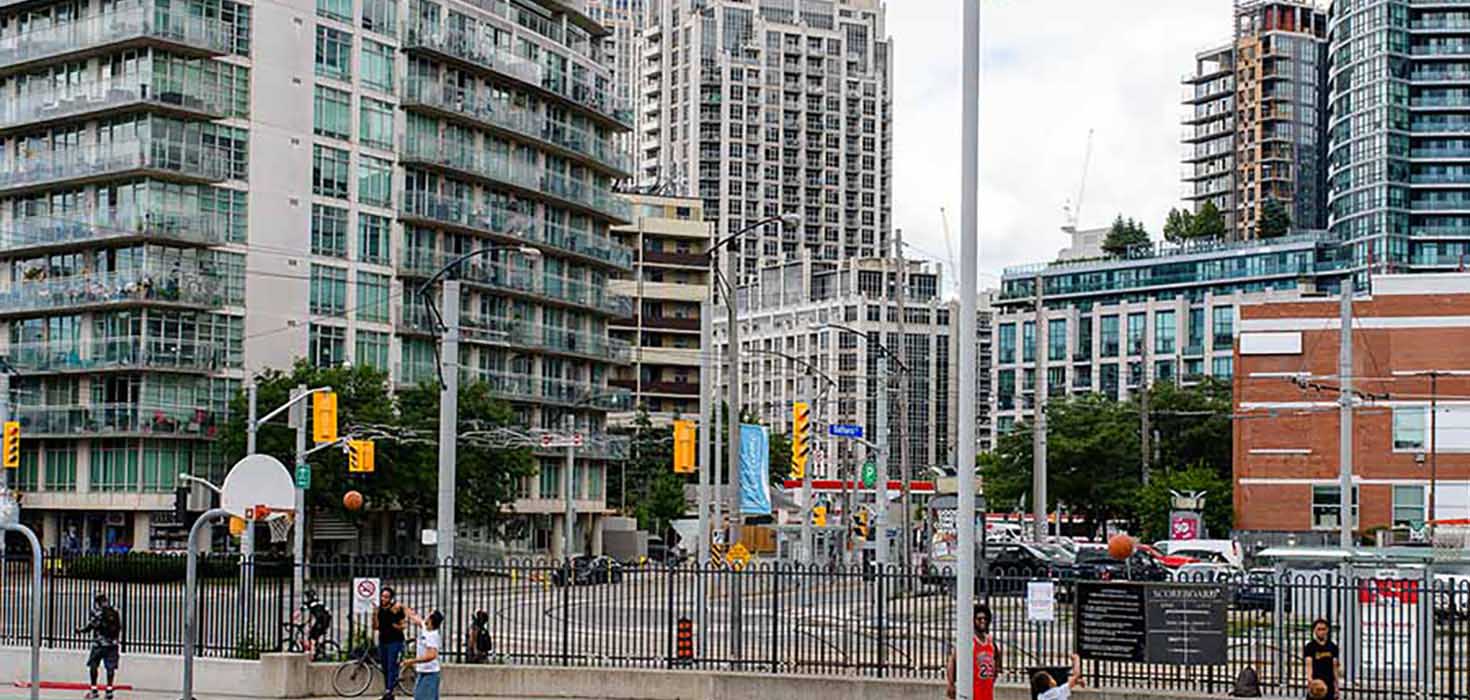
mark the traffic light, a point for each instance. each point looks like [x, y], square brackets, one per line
[819, 516]
[324, 417]
[861, 522]
[360, 456]
[801, 434]
[12, 444]
[684, 434]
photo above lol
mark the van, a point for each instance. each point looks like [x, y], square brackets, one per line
[1209, 551]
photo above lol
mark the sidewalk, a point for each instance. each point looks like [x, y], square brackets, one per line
[10, 692]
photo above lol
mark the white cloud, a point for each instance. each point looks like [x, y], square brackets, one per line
[1051, 71]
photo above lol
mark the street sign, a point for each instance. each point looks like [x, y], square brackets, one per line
[870, 474]
[844, 430]
[1041, 601]
[365, 595]
[303, 476]
[739, 556]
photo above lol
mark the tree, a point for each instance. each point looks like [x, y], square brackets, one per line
[1124, 234]
[1275, 220]
[651, 454]
[1209, 223]
[1179, 226]
[1193, 424]
[779, 451]
[1155, 501]
[663, 503]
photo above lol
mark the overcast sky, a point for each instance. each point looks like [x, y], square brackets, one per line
[1051, 71]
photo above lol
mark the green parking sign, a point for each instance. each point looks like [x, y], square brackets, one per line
[303, 476]
[870, 473]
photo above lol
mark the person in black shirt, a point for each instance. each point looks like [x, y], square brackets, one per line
[1322, 659]
[389, 621]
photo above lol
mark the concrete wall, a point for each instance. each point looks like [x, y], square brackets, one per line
[289, 676]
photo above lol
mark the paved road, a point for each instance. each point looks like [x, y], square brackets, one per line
[12, 693]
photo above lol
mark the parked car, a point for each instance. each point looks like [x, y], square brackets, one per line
[1011, 563]
[1168, 561]
[1256, 590]
[587, 570]
[1452, 601]
[1207, 572]
[1227, 551]
[1095, 564]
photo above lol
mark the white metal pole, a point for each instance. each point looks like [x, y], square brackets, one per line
[191, 585]
[247, 539]
[1038, 424]
[880, 484]
[732, 304]
[448, 422]
[1345, 407]
[568, 531]
[298, 578]
[707, 426]
[969, 254]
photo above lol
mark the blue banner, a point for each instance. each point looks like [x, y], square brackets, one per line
[755, 470]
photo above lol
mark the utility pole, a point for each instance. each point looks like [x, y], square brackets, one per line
[567, 483]
[298, 417]
[737, 603]
[4, 473]
[1345, 407]
[448, 425]
[880, 485]
[906, 544]
[964, 603]
[1433, 447]
[247, 540]
[707, 426]
[807, 539]
[1144, 417]
[1038, 426]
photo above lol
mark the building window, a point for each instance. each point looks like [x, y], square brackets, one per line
[340, 10]
[1005, 389]
[329, 171]
[1164, 332]
[1004, 425]
[1409, 428]
[1408, 506]
[1006, 343]
[1222, 367]
[1137, 326]
[61, 468]
[333, 53]
[1028, 341]
[1109, 339]
[550, 480]
[374, 181]
[375, 121]
[1082, 376]
[377, 65]
[1196, 332]
[1083, 351]
[1193, 370]
[328, 290]
[1223, 318]
[1056, 340]
[332, 113]
[1164, 371]
[1327, 507]
[1056, 381]
[372, 239]
[114, 466]
[327, 345]
[328, 231]
[1107, 380]
[379, 16]
[372, 297]
[372, 349]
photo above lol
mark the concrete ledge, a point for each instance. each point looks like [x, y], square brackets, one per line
[270, 677]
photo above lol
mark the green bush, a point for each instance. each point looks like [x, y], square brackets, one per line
[137, 567]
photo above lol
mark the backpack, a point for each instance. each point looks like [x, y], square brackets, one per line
[111, 623]
[1247, 684]
[482, 639]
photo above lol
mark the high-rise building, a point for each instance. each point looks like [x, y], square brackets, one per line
[1400, 154]
[768, 108]
[670, 281]
[623, 21]
[1256, 117]
[193, 194]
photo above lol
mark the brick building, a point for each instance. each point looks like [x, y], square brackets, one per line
[1286, 400]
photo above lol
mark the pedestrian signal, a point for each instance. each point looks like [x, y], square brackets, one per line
[684, 435]
[819, 516]
[360, 456]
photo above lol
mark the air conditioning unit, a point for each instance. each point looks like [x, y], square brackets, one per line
[1307, 288]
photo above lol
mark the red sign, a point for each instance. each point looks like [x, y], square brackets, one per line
[1383, 589]
[1184, 527]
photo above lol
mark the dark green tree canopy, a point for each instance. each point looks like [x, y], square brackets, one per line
[1275, 220]
[1124, 234]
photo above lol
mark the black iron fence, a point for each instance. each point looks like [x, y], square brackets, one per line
[1403, 634]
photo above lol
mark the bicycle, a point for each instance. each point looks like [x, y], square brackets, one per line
[297, 641]
[353, 677]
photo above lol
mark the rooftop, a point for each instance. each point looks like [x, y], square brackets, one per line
[1160, 252]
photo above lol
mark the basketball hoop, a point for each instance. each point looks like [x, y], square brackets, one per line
[279, 521]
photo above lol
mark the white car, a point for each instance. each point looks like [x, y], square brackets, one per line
[1206, 572]
[1226, 551]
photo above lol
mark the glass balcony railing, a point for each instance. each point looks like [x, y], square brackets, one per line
[1452, 49]
[206, 34]
[131, 352]
[523, 334]
[120, 287]
[25, 233]
[1447, 203]
[1440, 74]
[1440, 101]
[1456, 126]
[515, 226]
[88, 98]
[1440, 179]
[1436, 259]
[1439, 153]
[144, 418]
[485, 273]
[523, 387]
[533, 178]
[193, 160]
[496, 112]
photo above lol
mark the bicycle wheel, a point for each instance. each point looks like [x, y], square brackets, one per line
[353, 678]
[326, 650]
[406, 680]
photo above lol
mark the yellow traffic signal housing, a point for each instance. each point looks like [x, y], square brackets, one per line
[801, 434]
[360, 456]
[684, 437]
[324, 417]
[819, 516]
[11, 448]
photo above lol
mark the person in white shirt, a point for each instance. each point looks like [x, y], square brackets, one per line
[427, 662]
[1044, 687]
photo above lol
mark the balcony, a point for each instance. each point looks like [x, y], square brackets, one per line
[37, 234]
[656, 257]
[535, 285]
[1194, 349]
[659, 387]
[659, 322]
[135, 27]
[101, 99]
[522, 387]
[514, 228]
[122, 288]
[126, 353]
[491, 330]
[494, 168]
[488, 111]
[75, 166]
[118, 419]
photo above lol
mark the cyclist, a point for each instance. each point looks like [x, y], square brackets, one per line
[316, 612]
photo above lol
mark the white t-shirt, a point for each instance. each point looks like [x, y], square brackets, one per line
[428, 639]
[1060, 692]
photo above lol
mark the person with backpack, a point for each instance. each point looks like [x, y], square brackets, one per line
[480, 643]
[105, 625]
[321, 621]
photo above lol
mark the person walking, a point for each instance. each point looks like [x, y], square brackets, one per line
[986, 655]
[1322, 659]
[105, 626]
[389, 622]
[427, 662]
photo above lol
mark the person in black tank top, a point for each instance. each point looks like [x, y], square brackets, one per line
[389, 620]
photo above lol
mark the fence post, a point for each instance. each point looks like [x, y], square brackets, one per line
[671, 624]
[774, 627]
[882, 601]
[566, 611]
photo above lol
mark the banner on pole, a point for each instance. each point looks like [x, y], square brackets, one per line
[755, 470]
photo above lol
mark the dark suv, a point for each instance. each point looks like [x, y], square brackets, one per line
[1095, 564]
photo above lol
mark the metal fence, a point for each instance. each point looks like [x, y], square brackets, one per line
[1409, 638]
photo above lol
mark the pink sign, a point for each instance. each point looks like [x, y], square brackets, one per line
[1184, 526]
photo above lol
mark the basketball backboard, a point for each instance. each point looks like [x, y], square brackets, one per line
[257, 480]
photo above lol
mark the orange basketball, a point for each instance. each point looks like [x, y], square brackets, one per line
[1120, 547]
[352, 500]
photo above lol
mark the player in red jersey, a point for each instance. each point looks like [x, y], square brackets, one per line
[987, 658]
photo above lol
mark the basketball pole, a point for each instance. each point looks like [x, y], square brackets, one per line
[965, 434]
[191, 585]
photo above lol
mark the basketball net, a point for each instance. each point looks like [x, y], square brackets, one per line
[279, 522]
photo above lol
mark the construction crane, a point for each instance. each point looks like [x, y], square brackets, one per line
[1072, 210]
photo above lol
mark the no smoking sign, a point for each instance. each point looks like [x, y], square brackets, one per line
[364, 594]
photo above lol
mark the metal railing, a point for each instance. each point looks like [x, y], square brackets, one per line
[823, 620]
[61, 38]
[120, 287]
[194, 160]
[40, 230]
[472, 160]
[488, 273]
[141, 418]
[478, 328]
[126, 352]
[513, 225]
[103, 95]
